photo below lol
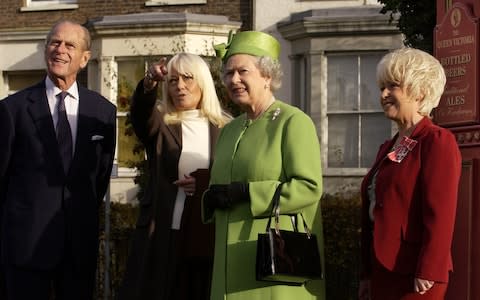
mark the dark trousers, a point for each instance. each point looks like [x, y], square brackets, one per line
[182, 277]
[60, 283]
[190, 276]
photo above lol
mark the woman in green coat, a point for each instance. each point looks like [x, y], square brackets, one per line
[272, 142]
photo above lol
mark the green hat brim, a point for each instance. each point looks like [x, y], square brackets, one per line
[254, 43]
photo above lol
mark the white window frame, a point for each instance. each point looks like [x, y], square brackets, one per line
[173, 2]
[344, 171]
[39, 5]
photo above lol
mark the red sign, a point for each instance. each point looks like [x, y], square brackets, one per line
[444, 5]
[456, 47]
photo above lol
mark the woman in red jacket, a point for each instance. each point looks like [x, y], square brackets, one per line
[409, 197]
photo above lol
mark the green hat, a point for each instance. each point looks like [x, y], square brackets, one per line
[255, 43]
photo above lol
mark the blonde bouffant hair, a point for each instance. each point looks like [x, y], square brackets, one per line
[419, 73]
[210, 107]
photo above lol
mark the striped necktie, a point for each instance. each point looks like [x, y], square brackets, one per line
[64, 133]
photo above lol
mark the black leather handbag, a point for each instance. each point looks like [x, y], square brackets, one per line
[287, 257]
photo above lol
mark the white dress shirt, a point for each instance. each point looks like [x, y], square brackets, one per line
[71, 105]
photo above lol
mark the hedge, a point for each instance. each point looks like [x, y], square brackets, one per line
[341, 225]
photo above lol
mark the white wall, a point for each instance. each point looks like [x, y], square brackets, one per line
[267, 13]
[22, 56]
[20, 51]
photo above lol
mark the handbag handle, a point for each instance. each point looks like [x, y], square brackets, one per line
[275, 212]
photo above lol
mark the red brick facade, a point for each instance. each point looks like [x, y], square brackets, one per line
[14, 19]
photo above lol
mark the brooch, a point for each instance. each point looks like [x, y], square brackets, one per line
[400, 151]
[276, 113]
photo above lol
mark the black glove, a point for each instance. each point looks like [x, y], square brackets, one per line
[224, 196]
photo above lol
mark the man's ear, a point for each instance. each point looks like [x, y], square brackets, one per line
[85, 58]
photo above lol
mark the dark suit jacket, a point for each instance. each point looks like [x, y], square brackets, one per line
[45, 211]
[148, 274]
[415, 206]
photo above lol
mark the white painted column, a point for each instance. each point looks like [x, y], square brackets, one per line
[3, 85]
[107, 80]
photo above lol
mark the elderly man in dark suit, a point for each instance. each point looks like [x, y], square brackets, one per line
[56, 154]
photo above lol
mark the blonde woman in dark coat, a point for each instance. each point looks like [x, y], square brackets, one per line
[171, 254]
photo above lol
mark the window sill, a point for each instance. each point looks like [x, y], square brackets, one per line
[124, 172]
[344, 172]
[173, 2]
[49, 7]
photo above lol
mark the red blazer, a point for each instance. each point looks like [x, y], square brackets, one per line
[415, 206]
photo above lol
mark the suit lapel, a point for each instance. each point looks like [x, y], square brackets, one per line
[42, 118]
[382, 155]
[85, 117]
[176, 131]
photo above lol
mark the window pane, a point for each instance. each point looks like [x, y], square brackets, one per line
[342, 83]
[343, 141]
[54, 1]
[376, 128]
[50, 2]
[127, 143]
[356, 124]
[129, 74]
[18, 80]
[178, 2]
[370, 94]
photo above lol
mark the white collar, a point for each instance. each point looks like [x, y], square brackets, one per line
[53, 90]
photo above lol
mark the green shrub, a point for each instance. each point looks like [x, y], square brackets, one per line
[341, 226]
[122, 223]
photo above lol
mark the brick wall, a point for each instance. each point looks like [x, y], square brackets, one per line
[13, 18]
